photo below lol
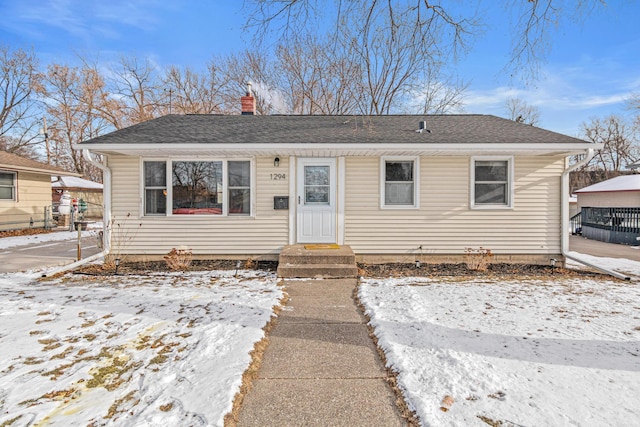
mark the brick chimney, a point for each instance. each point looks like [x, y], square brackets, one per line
[248, 102]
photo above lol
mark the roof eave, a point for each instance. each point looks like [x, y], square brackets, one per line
[340, 149]
[39, 171]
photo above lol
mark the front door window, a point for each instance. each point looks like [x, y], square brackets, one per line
[316, 185]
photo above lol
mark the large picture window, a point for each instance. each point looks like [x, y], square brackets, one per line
[197, 187]
[399, 182]
[7, 186]
[491, 182]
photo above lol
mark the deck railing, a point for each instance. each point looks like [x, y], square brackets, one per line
[613, 225]
[576, 223]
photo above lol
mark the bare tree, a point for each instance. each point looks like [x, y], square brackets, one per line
[620, 146]
[72, 98]
[439, 94]
[256, 67]
[19, 119]
[522, 112]
[441, 26]
[395, 52]
[137, 84]
[318, 78]
[194, 93]
[633, 104]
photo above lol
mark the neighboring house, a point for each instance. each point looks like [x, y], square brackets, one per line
[573, 205]
[619, 192]
[610, 210]
[81, 189]
[25, 191]
[391, 187]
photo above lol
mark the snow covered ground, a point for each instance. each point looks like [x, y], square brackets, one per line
[513, 352]
[56, 236]
[170, 349]
[158, 350]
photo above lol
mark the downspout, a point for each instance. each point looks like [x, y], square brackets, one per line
[106, 218]
[106, 199]
[564, 212]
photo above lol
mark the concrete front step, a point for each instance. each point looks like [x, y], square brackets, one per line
[325, 271]
[317, 261]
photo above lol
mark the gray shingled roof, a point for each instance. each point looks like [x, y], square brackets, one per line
[446, 129]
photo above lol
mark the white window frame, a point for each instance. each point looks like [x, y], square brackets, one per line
[416, 181]
[510, 183]
[225, 187]
[143, 188]
[13, 186]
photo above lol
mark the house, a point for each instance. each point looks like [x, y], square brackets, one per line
[25, 191]
[620, 192]
[88, 192]
[610, 210]
[391, 187]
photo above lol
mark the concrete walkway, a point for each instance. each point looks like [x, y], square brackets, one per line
[321, 368]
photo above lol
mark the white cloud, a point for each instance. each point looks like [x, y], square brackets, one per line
[81, 19]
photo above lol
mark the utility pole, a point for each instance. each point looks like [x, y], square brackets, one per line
[46, 139]
[170, 90]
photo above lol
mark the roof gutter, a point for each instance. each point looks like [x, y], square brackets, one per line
[564, 203]
[341, 148]
[106, 199]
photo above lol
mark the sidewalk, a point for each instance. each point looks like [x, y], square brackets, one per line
[321, 368]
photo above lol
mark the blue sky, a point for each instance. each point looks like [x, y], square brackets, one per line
[593, 67]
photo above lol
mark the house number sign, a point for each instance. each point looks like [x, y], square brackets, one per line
[278, 176]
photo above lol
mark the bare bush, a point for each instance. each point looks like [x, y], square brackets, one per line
[179, 259]
[477, 259]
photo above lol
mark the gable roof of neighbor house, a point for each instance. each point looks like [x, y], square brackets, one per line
[619, 183]
[16, 163]
[271, 133]
[75, 183]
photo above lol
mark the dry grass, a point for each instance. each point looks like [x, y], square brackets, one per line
[251, 373]
[392, 376]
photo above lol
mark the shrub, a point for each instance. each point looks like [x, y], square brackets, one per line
[477, 259]
[178, 259]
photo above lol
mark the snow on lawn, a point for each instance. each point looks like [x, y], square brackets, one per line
[620, 265]
[512, 352]
[157, 350]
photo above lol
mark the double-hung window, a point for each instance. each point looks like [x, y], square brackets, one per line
[492, 182]
[197, 187]
[239, 187]
[399, 182]
[7, 185]
[155, 188]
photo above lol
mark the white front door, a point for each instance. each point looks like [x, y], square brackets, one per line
[316, 187]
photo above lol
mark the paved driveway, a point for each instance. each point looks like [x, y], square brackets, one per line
[40, 255]
[601, 249]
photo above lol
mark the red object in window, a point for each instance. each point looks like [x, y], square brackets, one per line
[197, 211]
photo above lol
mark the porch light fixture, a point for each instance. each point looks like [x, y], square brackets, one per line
[276, 162]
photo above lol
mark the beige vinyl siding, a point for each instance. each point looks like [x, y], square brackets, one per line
[609, 199]
[33, 194]
[444, 222]
[266, 232]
